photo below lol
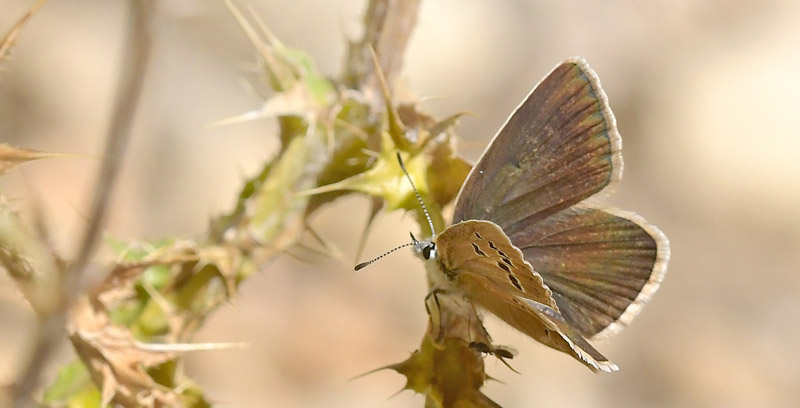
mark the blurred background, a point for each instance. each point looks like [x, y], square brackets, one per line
[705, 95]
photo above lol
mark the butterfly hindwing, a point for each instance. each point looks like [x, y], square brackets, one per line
[602, 265]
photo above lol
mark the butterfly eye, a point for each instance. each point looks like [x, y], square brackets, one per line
[428, 251]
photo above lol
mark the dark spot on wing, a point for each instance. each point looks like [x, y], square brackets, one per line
[491, 245]
[478, 235]
[515, 281]
[503, 267]
[501, 253]
[477, 250]
[508, 261]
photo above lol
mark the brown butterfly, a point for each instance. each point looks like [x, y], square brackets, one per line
[528, 244]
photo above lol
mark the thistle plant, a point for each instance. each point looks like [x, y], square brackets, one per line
[337, 137]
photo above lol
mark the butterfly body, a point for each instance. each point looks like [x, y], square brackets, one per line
[527, 244]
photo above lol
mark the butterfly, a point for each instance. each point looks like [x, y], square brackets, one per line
[527, 241]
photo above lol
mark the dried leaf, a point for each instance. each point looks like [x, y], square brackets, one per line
[114, 359]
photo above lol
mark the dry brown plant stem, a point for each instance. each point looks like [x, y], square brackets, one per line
[388, 26]
[51, 324]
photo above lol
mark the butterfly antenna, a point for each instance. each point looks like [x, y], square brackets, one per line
[419, 198]
[363, 265]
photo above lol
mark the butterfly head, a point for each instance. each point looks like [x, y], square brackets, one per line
[425, 248]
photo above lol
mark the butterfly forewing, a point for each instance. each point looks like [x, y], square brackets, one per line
[482, 262]
[559, 147]
[601, 266]
[481, 247]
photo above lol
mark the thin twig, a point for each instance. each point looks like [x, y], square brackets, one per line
[129, 90]
[8, 41]
[133, 64]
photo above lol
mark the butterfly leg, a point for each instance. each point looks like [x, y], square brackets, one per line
[436, 321]
[434, 294]
[483, 332]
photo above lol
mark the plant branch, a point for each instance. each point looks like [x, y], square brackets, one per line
[388, 27]
[128, 92]
[129, 88]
